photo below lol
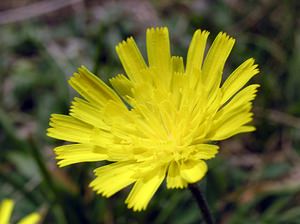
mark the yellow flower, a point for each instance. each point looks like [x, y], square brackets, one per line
[160, 120]
[6, 208]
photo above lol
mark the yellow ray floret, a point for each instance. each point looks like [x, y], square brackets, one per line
[6, 207]
[160, 119]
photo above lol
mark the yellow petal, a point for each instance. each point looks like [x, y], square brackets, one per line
[195, 81]
[244, 129]
[238, 79]
[77, 153]
[239, 102]
[193, 170]
[205, 151]
[144, 189]
[131, 59]
[215, 60]
[196, 51]
[30, 219]
[122, 85]
[174, 179]
[158, 51]
[84, 111]
[150, 124]
[92, 88]
[68, 128]
[116, 113]
[229, 124]
[177, 64]
[235, 114]
[6, 208]
[232, 132]
[114, 177]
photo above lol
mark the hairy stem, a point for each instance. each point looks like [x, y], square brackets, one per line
[202, 204]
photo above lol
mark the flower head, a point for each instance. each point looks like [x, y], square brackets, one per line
[160, 119]
[6, 207]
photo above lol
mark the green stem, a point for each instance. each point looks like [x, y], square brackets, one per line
[202, 204]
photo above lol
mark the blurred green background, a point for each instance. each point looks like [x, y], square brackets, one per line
[255, 177]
